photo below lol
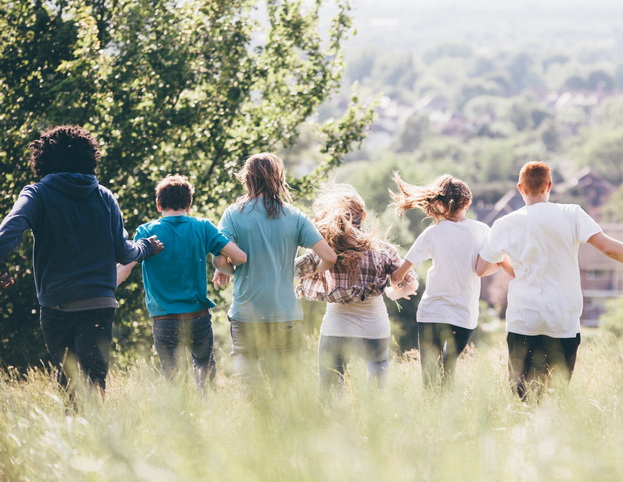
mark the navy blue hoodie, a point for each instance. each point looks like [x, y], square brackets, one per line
[79, 237]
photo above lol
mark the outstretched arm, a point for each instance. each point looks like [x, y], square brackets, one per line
[607, 245]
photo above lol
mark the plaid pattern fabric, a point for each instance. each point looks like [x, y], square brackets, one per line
[335, 285]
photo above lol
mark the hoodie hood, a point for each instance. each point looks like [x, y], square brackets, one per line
[71, 183]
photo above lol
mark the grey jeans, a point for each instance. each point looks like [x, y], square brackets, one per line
[334, 353]
[265, 349]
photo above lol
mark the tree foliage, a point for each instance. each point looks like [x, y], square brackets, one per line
[191, 87]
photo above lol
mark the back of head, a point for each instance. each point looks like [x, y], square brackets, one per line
[534, 177]
[264, 177]
[443, 199]
[175, 192]
[339, 212]
[65, 148]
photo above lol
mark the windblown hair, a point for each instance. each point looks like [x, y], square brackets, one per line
[534, 177]
[65, 148]
[443, 199]
[264, 177]
[175, 192]
[338, 214]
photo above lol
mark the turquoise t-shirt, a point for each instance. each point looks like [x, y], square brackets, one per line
[176, 279]
[264, 285]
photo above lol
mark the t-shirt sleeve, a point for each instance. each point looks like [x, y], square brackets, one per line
[421, 249]
[308, 234]
[226, 226]
[216, 240]
[493, 250]
[586, 227]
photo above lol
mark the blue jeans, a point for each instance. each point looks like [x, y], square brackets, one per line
[334, 353]
[172, 335]
[81, 337]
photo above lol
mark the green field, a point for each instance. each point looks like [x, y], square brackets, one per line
[148, 429]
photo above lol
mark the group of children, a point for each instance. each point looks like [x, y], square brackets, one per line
[80, 243]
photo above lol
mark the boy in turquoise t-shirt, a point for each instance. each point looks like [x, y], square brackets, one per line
[176, 286]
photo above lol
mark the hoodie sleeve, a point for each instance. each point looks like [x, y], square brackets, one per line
[22, 217]
[127, 251]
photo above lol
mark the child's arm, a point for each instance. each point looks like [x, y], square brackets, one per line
[235, 256]
[506, 265]
[395, 293]
[398, 275]
[607, 245]
[6, 281]
[328, 258]
[484, 268]
[123, 271]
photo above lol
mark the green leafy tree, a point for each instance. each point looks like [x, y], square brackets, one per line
[191, 87]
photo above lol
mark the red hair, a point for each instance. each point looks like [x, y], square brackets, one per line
[534, 177]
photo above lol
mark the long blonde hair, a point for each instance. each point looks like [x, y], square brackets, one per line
[264, 177]
[443, 199]
[339, 212]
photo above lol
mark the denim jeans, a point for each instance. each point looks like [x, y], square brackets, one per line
[533, 360]
[171, 336]
[334, 353]
[440, 345]
[269, 349]
[78, 336]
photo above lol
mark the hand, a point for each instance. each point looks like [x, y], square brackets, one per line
[6, 281]
[220, 279]
[397, 293]
[156, 244]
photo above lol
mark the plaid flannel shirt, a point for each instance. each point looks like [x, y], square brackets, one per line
[335, 285]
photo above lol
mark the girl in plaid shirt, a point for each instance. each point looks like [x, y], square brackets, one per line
[356, 320]
[448, 311]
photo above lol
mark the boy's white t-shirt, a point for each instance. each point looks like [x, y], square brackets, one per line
[452, 285]
[542, 241]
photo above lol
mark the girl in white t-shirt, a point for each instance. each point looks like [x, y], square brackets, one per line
[448, 311]
[356, 320]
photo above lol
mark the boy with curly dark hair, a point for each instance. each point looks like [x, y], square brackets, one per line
[78, 239]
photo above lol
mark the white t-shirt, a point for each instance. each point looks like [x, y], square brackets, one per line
[452, 285]
[358, 319]
[542, 241]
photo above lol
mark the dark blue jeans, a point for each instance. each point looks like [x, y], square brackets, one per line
[173, 335]
[440, 345]
[81, 337]
[534, 360]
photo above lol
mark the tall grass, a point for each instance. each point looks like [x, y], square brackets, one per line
[148, 429]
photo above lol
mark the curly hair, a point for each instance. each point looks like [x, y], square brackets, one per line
[65, 148]
[263, 175]
[444, 199]
[174, 192]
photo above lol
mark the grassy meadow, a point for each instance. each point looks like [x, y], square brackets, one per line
[148, 429]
